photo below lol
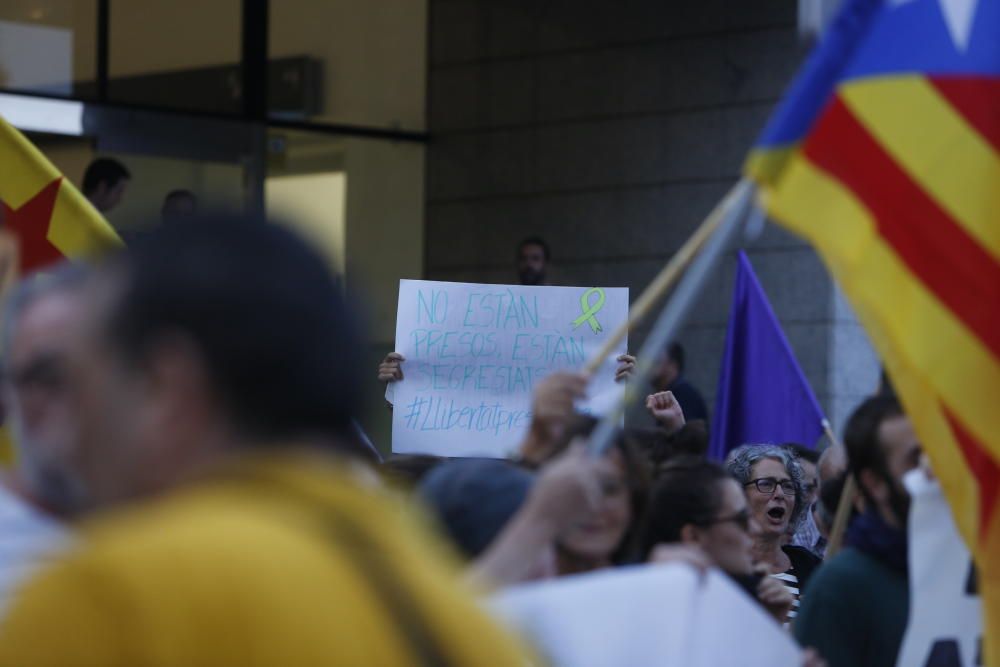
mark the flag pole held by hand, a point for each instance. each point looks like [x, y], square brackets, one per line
[847, 498]
[724, 223]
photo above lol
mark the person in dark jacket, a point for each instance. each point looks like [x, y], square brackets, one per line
[670, 377]
[856, 607]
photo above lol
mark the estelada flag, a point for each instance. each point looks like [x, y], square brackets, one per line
[47, 216]
[886, 156]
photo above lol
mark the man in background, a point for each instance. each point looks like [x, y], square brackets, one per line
[533, 256]
[105, 182]
[178, 204]
[669, 376]
[855, 609]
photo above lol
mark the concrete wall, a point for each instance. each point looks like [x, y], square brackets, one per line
[611, 129]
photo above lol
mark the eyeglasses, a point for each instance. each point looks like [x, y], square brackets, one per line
[767, 485]
[741, 519]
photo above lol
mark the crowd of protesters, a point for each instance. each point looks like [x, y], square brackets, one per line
[190, 487]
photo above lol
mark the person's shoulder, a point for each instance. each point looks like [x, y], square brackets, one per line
[21, 522]
[844, 571]
[202, 524]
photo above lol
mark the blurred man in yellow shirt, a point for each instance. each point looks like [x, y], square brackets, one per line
[213, 381]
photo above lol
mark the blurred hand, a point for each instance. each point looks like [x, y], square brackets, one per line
[391, 369]
[626, 367]
[681, 553]
[552, 407]
[810, 658]
[568, 489]
[666, 410]
[775, 597]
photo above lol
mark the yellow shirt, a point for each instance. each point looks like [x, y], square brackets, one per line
[278, 563]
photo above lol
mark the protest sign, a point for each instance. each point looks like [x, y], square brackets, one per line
[945, 627]
[646, 615]
[474, 354]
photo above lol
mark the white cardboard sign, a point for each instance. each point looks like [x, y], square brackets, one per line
[945, 627]
[648, 615]
[474, 354]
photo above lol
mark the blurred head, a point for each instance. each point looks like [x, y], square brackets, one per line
[179, 204]
[532, 261]
[41, 318]
[208, 337]
[688, 442]
[825, 508]
[881, 448]
[670, 368]
[772, 480]
[701, 504]
[475, 498]
[832, 463]
[104, 183]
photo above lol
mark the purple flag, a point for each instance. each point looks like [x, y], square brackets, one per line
[763, 395]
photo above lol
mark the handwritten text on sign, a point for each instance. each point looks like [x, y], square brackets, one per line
[474, 354]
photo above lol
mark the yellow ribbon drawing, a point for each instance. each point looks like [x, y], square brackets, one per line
[589, 311]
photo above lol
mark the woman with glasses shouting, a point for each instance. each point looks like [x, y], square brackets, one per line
[772, 481]
[699, 504]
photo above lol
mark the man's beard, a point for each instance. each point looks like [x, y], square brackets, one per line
[49, 483]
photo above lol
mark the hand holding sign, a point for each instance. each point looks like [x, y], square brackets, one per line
[391, 369]
[552, 407]
[626, 366]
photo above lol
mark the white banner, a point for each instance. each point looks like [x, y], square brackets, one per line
[646, 615]
[945, 627]
[474, 353]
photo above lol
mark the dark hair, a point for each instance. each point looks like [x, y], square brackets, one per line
[684, 494]
[475, 498]
[104, 170]
[675, 352]
[864, 451]
[689, 441]
[278, 341]
[538, 241]
[802, 452]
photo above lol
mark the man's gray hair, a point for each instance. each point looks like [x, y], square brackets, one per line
[67, 275]
[741, 461]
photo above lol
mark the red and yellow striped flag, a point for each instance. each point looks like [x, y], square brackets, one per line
[47, 216]
[886, 156]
